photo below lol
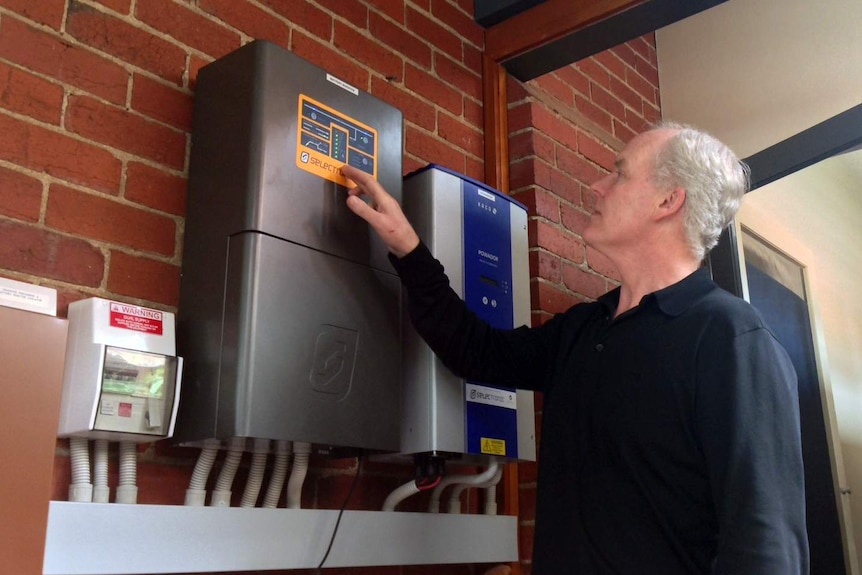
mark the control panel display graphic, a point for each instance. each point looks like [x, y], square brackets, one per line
[328, 139]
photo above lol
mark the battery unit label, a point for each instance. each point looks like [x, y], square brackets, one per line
[491, 421]
[327, 139]
[136, 318]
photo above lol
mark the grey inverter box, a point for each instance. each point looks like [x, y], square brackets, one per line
[480, 237]
[289, 310]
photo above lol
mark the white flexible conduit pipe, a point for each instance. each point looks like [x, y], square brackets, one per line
[283, 450]
[79, 452]
[434, 504]
[255, 473]
[400, 494]
[455, 496]
[196, 493]
[222, 491]
[127, 489]
[490, 507]
[101, 491]
[301, 453]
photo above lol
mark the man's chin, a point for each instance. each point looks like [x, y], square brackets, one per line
[593, 243]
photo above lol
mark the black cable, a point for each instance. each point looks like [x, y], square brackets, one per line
[340, 513]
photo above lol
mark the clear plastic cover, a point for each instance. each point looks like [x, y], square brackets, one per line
[137, 392]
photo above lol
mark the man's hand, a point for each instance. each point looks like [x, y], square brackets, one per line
[381, 211]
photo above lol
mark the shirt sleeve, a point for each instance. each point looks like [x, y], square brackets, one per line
[466, 344]
[747, 412]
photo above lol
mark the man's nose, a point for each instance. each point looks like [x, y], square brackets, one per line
[600, 186]
[595, 191]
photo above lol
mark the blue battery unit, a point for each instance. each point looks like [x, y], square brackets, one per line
[480, 236]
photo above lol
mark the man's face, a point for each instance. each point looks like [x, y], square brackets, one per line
[625, 200]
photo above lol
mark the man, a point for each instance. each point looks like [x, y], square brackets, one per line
[670, 433]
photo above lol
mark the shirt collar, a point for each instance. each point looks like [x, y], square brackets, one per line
[673, 300]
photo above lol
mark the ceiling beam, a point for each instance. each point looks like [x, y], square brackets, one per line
[836, 135]
[557, 33]
[490, 12]
[547, 22]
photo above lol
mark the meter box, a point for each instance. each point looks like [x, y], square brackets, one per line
[289, 314]
[480, 237]
[122, 376]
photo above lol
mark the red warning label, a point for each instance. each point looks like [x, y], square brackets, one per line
[125, 410]
[136, 318]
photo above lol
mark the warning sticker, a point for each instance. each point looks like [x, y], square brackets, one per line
[493, 446]
[327, 139]
[137, 318]
[125, 410]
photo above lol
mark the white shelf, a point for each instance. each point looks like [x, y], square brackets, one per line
[117, 539]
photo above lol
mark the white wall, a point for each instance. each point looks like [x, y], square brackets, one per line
[813, 215]
[755, 72]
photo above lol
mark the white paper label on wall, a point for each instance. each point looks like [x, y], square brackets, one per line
[342, 84]
[28, 297]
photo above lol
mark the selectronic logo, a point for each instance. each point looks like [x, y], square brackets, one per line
[334, 358]
[325, 166]
[491, 396]
[478, 395]
[303, 157]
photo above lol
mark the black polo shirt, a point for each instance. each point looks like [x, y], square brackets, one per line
[670, 438]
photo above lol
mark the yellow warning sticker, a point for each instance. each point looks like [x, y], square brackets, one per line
[493, 446]
[327, 139]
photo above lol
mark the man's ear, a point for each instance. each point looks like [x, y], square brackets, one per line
[671, 203]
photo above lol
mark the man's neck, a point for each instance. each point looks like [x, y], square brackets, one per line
[647, 276]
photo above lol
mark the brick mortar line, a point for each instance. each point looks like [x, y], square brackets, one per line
[132, 20]
[69, 40]
[121, 155]
[628, 67]
[430, 16]
[95, 242]
[563, 288]
[190, 51]
[48, 180]
[576, 118]
[449, 145]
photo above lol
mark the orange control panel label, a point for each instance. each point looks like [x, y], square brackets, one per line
[327, 139]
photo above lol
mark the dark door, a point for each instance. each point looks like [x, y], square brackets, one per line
[777, 289]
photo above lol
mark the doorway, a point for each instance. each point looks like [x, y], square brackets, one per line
[777, 285]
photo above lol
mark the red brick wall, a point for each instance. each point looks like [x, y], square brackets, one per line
[565, 130]
[95, 114]
[96, 111]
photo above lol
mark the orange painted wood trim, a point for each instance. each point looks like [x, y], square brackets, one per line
[496, 125]
[511, 504]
